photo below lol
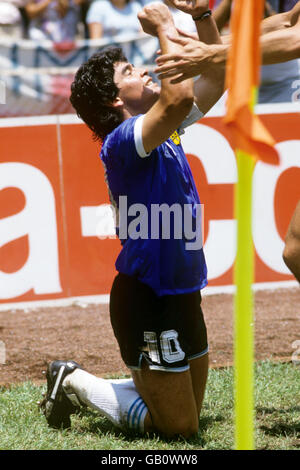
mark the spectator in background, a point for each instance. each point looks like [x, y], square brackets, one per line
[56, 20]
[84, 7]
[110, 18]
[278, 81]
[11, 23]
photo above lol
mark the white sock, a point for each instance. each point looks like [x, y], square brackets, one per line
[118, 399]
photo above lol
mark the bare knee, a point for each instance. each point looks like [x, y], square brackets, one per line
[178, 426]
[186, 430]
[170, 400]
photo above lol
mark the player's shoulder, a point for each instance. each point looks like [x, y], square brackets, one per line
[120, 141]
[123, 132]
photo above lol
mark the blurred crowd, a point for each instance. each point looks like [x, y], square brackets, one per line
[67, 20]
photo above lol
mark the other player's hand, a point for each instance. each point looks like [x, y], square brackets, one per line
[194, 58]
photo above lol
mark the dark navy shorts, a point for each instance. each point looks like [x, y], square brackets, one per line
[166, 331]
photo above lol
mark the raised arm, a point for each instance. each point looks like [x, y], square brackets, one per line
[283, 44]
[222, 13]
[281, 20]
[208, 88]
[280, 42]
[175, 101]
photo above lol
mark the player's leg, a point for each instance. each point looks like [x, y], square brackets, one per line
[199, 365]
[199, 373]
[186, 312]
[118, 400]
[157, 337]
[170, 403]
[160, 392]
[69, 387]
[170, 399]
[155, 401]
[164, 383]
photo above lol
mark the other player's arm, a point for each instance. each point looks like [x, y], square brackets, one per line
[283, 44]
[280, 42]
[291, 254]
[222, 13]
[209, 87]
[175, 101]
[280, 38]
[281, 20]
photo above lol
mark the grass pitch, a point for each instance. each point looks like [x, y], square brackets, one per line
[277, 418]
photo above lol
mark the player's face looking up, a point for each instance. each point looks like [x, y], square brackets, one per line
[137, 92]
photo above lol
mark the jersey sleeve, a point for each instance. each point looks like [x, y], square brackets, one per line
[138, 137]
[124, 146]
[194, 116]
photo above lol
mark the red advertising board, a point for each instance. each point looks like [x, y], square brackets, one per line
[53, 194]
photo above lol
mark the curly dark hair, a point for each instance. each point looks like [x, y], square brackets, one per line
[93, 90]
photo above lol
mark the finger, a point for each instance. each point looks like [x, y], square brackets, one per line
[169, 65]
[169, 74]
[176, 76]
[182, 76]
[179, 79]
[164, 69]
[177, 40]
[168, 58]
[187, 34]
[158, 52]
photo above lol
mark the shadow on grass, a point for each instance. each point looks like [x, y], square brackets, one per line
[264, 410]
[282, 429]
[279, 428]
[96, 424]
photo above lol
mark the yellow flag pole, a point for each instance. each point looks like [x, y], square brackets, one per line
[243, 321]
[243, 318]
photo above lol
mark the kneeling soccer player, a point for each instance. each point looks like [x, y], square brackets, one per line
[155, 302]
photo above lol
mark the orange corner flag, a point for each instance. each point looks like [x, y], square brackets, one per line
[248, 134]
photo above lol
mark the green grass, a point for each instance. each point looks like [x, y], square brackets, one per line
[277, 423]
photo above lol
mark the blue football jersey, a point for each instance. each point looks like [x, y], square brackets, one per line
[157, 207]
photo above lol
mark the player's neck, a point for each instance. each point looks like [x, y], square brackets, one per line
[127, 114]
[131, 111]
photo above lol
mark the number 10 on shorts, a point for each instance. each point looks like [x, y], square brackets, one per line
[169, 344]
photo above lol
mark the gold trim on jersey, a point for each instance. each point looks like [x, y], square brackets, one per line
[175, 137]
